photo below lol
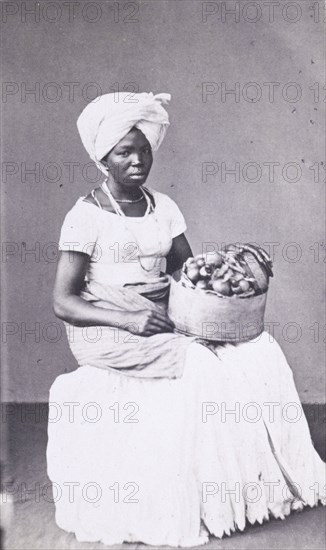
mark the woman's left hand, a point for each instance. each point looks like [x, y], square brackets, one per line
[148, 322]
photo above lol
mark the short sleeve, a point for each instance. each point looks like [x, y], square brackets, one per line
[79, 230]
[177, 222]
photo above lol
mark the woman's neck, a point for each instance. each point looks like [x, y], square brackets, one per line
[121, 192]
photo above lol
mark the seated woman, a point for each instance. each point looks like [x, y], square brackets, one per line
[157, 439]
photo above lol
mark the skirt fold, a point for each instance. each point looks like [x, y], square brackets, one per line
[168, 462]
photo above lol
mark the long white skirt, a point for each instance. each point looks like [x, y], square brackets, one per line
[168, 462]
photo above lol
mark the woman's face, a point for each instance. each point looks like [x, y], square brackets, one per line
[130, 161]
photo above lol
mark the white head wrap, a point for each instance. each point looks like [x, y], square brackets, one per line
[108, 118]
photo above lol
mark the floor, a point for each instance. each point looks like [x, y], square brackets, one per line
[32, 524]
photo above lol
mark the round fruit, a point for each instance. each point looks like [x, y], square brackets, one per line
[204, 273]
[236, 278]
[193, 273]
[190, 261]
[244, 285]
[202, 285]
[220, 271]
[221, 287]
[200, 262]
[214, 258]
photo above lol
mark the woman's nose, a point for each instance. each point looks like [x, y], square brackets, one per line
[136, 160]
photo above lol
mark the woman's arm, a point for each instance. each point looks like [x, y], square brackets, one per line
[70, 307]
[178, 254]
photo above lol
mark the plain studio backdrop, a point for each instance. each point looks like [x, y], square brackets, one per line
[247, 95]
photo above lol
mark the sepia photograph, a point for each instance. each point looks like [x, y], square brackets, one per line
[163, 251]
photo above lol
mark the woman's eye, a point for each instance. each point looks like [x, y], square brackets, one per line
[123, 154]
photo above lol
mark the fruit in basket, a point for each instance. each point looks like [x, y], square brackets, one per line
[221, 287]
[205, 272]
[228, 275]
[191, 262]
[236, 278]
[220, 272]
[216, 302]
[200, 260]
[214, 259]
[240, 270]
[244, 285]
[203, 284]
[193, 273]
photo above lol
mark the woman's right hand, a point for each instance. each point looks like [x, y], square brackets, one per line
[147, 322]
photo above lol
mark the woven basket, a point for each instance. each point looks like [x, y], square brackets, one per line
[205, 314]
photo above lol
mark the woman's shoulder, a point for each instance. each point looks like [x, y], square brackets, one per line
[170, 211]
[83, 204]
[82, 211]
[161, 198]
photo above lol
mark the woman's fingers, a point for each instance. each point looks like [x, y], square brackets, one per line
[148, 322]
[164, 319]
[161, 325]
[159, 322]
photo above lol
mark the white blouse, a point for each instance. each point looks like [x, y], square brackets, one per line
[122, 250]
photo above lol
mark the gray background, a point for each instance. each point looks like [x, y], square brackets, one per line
[167, 47]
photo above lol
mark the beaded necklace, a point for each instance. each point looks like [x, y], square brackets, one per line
[149, 210]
